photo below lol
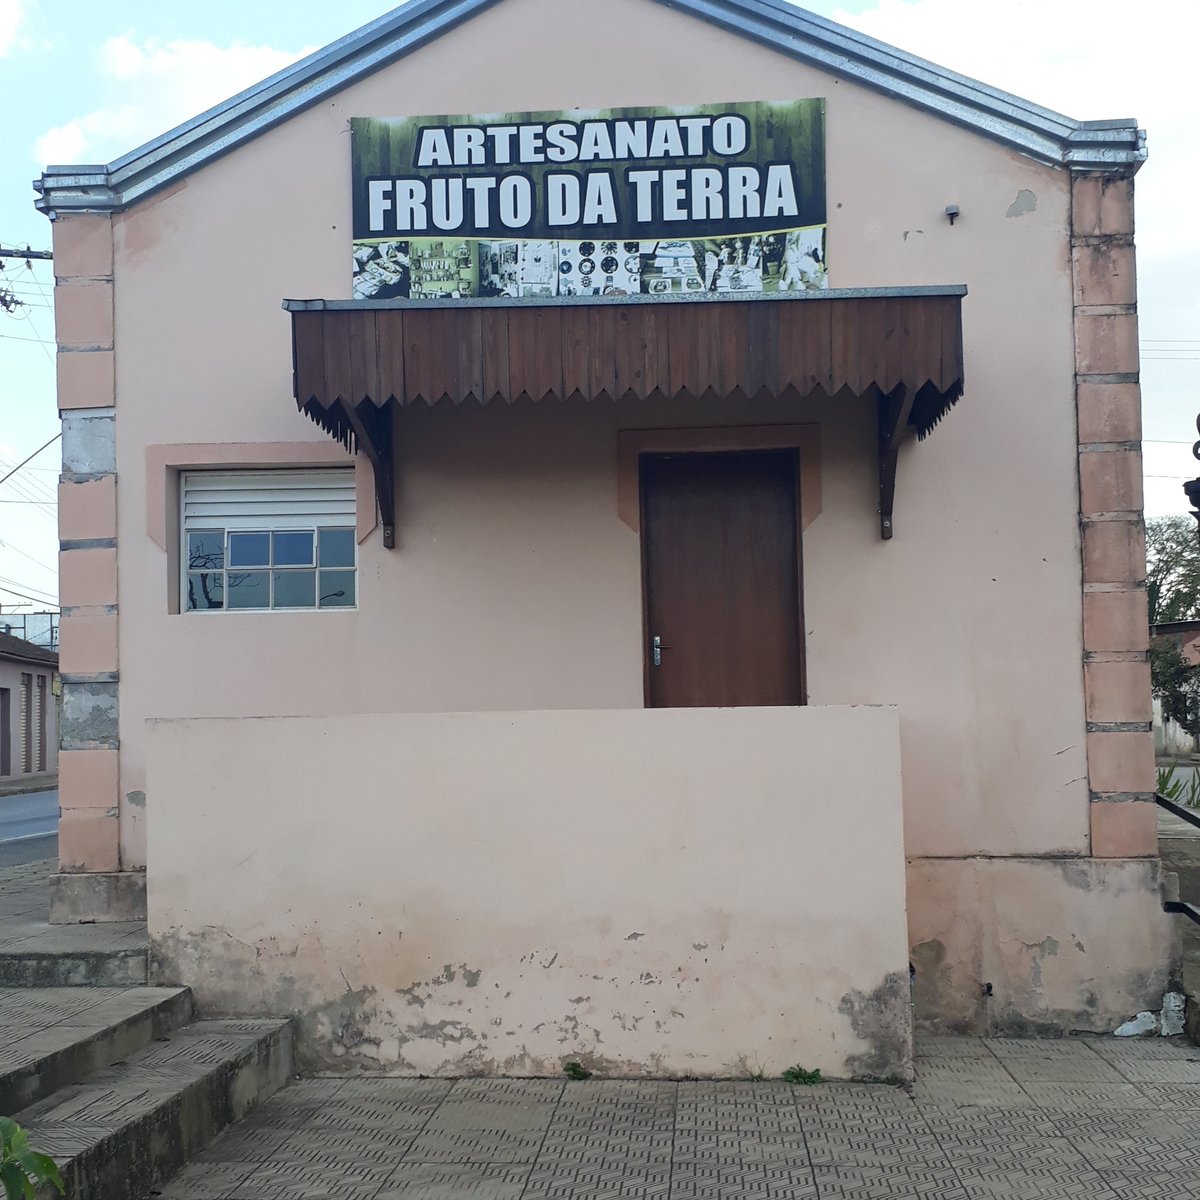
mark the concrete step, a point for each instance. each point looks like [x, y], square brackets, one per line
[130, 1126]
[36, 954]
[53, 1037]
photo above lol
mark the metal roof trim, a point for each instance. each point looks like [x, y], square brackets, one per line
[494, 302]
[1038, 132]
[224, 127]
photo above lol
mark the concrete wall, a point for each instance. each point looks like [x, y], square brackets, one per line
[10, 678]
[688, 891]
[516, 585]
[1171, 740]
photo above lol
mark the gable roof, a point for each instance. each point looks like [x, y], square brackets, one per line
[18, 648]
[1040, 133]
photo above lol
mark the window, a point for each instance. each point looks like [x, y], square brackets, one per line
[255, 540]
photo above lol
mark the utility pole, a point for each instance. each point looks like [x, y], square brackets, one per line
[8, 298]
[1192, 487]
[27, 254]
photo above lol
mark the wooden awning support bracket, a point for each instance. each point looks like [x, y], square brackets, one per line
[373, 432]
[895, 408]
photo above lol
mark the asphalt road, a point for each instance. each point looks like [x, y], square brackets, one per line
[28, 827]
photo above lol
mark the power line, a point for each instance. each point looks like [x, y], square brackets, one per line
[36, 562]
[45, 342]
[27, 488]
[29, 485]
[26, 596]
[37, 587]
[13, 337]
[24, 495]
[31, 457]
[33, 490]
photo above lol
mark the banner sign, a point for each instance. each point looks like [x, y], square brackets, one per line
[717, 198]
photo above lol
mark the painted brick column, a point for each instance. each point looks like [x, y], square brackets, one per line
[89, 784]
[1120, 745]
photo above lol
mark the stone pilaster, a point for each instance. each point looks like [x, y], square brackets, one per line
[1120, 745]
[89, 772]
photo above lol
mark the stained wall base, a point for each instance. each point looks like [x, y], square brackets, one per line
[1038, 946]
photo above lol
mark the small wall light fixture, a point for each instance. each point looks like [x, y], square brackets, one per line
[952, 212]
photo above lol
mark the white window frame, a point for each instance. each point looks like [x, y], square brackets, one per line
[290, 501]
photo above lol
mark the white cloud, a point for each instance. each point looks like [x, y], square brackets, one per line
[1090, 59]
[155, 85]
[12, 16]
[1098, 60]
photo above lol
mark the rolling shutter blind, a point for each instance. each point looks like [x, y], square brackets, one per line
[267, 499]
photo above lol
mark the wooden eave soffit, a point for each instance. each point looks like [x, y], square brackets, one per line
[354, 362]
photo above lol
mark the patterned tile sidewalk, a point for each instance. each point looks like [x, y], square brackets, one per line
[25, 926]
[1099, 1118]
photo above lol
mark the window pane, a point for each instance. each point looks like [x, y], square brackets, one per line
[206, 550]
[337, 547]
[205, 590]
[337, 589]
[295, 589]
[249, 550]
[248, 589]
[293, 549]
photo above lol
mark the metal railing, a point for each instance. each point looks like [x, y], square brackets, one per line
[1192, 816]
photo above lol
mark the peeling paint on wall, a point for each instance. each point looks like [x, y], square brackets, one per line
[453, 1023]
[1026, 202]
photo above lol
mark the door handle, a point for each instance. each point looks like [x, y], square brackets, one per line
[657, 648]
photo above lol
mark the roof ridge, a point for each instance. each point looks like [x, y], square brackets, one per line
[12, 646]
[1040, 133]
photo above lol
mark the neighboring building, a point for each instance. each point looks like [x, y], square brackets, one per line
[1184, 635]
[28, 709]
[566, 718]
[1173, 740]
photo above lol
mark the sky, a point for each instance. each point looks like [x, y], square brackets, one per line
[87, 82]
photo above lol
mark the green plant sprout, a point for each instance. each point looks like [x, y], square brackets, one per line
[22, 1169]
[1173, 788]
[799, 1075]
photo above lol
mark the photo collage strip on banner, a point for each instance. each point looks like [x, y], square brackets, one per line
[724, 199]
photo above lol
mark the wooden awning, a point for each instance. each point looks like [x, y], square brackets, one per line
[354, 361]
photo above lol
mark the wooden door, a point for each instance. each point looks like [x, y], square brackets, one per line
[721, 572]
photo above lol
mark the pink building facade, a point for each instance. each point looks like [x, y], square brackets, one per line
[641, 691]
